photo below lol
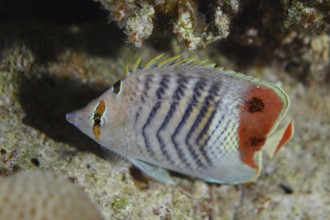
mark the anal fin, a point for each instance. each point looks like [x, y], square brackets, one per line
[155, 172]
[258, 160]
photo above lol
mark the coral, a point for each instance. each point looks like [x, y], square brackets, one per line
[120, 10]
[136, 32]
[192, 29]
[39, 195]
[195, 23]
[310, 16]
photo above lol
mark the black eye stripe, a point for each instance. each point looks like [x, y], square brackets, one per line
[96, 116]
[97, 119]
[117, 87]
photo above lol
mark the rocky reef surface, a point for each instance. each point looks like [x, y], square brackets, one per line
[198, 23]
[57, 56]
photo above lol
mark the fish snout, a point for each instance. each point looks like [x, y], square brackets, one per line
[70, 117]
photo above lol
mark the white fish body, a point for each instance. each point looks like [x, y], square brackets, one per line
[190, 118]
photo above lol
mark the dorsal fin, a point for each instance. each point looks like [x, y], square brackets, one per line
[210, 65]
[153, 62]
[137, 64]
[175, 61]
[233, 73]
[184, 61]
[169, 61]
[127, 71]
[198, 62]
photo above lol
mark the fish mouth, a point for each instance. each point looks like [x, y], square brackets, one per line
[70, 117]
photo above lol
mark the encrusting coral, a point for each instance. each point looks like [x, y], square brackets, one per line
[186, 19]
[197, 23]
[40, 195]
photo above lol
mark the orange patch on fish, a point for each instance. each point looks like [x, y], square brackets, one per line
[259, 111]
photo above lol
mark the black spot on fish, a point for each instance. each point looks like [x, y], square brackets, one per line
[255, 105]
[256, 141]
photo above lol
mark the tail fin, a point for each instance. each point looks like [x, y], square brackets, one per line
[278, 139]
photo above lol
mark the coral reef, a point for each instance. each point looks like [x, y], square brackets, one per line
[39, 195]
[191, 27]
[136, 32]
[198, 23]
[309, 16]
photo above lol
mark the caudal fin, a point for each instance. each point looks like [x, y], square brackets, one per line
[278, 139]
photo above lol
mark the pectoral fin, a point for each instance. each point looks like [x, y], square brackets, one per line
[155, 172]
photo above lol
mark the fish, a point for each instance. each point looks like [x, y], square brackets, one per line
[189, 117]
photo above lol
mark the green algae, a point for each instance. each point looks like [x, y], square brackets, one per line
[120, 204]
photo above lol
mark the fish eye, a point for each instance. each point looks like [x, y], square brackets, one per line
[116, 88]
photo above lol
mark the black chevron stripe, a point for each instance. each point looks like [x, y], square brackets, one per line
[159, 94]
[213, 131]
[208, 101]
[177, 95]
[199, 86]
